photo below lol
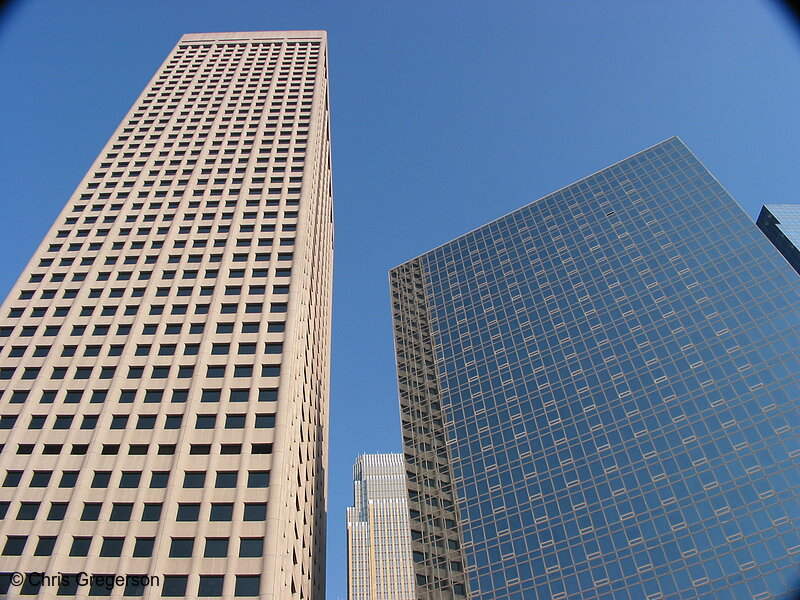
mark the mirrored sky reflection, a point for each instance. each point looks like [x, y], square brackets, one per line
[618, 368]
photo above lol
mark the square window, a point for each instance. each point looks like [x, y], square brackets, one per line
[188, 512]
[261, 448]
[216, 548]
[112, 546]
[138, 449]
[37, 422]
[152, 512]
[239, 395]
[45, 546]
[258, 479]
[226, 479]
[230, 449]
[68, 479]
[210, 586]
[40, 479]
[194, 479]
[251, 547]
[101, 479]
[268, 395]
[146, 422]
[206, 421]
[159, 479]
[91, 511]
[243, 370]
[142, 549]
[255, 511]
[181, 548]
[152, 397]
[121, 511]
[247, 586]
[174, 586]
[270, 370]
[80, 546]
[58, 510]
[12, 478]
[234, 421]
[215, 371]
[28, 511]
[222, 511]
[130, 479]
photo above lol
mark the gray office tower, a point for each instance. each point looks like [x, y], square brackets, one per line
[781, 224]
[599, 397]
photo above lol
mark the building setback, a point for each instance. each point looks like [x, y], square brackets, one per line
[599, 396]
[165, 353]
[379, 565]
[781, 224]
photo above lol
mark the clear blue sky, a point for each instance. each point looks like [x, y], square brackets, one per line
[445, 116]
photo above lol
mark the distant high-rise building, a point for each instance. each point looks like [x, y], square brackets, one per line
[379, 565]
[599, 396]
[165, 354]
[781, 224]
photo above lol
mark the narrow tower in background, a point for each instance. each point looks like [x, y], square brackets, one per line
[599, 396]
[379, 565]
[165, 354]
[781, 224]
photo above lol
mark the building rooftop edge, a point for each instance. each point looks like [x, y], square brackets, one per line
[254, 35]
[669, 139]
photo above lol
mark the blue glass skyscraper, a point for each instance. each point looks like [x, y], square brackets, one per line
[781, 224]
[599, 397]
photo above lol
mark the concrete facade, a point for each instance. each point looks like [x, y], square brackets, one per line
[166, 352]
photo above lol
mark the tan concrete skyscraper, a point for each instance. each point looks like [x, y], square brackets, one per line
[165, 354]
[379, 560]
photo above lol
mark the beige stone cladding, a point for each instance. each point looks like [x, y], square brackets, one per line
[166, 352]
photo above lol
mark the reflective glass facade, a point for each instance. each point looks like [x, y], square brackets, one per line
[781, 224]
[599, 396]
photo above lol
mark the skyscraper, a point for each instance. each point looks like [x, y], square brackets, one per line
[599, 396]
[165, 354]
[379, 565]
[781, 224]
